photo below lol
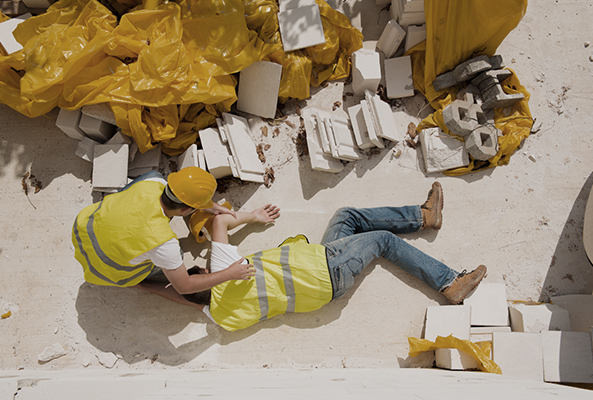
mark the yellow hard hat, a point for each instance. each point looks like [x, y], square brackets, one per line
[193, 186]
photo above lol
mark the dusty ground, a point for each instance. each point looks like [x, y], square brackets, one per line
[524, 221]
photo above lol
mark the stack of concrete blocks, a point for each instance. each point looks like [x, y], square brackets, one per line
[450, 320]
[366, 71]
[391, 38]
[416, 34]
[441, 151]
[7, 40]
[258, 89]
[120, 138]
[110, 167]
[398, 77]
[245, 162]
[145, 162]
[192, 157]
[68, 121]
[493, 95]
[408, 12]
[467, 70]
[96, 128]
[216, 153]
[300, 24]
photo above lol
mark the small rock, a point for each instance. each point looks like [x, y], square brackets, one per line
[587, 44]
[591, 58]
[51, 353]
[532, 158]
[107, 360]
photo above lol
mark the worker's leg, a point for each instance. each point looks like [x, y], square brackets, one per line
[349, 221]
[348, 256]
[223, 223]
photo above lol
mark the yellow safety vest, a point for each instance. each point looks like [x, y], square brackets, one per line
[290, 278]
[124, 225]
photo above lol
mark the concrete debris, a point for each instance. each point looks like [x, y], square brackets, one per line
[489, 83]
[86, 149]
[366, 71]
[145, 162]
[391, 38]
[110, 167]
[101, 111]
[519, 354]
[258, 88]
[320, 159]
[300, 27]
[489, 305]
[216, 153]
[107, 360]
[96, 129]
[468, 70]
[482, 142]
[441, 151]
[416, 34]
[567, 357]
[7, 40]
[51, 353]
[398, 77]
[538, 318]
[68, 121]
[447, 320]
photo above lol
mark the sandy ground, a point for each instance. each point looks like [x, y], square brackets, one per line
[523, 220]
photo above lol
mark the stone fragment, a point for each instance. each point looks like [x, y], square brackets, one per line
[51, 353]
[538, 318]
[415, 34]
[413, 5]
[488, 305]
[568, 357]
[216, 153]
[189, 158]
[301, 27]
[382, 118]
[243, 148]
[519, 354]
[371, 124]
[96, 129]
[454, 359]
[7, 39]
[462, 116]
[398, 77]
[470, 68]
[482, 142]
[110, 167]
[444, 81]
[579, 308]
[441, 151]
[320, 161]
[68, 121]
[258, 89]
[101, 111]
[391, 38]
[359, 127]
[107, 360]
[342, 143]
[496, 62]
[447, 320]
[366, 71]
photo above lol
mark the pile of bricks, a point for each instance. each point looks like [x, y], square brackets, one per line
[543, 341]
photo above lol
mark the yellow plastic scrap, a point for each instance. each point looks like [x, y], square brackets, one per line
[6, 314]
[460, 30]
[480, 351]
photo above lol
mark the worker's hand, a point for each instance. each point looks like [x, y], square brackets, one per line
[266, 214]
[217, 209]
[239, 271]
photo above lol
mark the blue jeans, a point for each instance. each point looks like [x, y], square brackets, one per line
[356, 236]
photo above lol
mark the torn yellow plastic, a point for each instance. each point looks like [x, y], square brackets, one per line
[457, 31]
[479, 351]
[6, 314]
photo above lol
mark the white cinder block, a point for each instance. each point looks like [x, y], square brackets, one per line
[361, 133]
[414, 6]
[371, 124]
[396, 9]
[411, 18]
[258, 89]
[391, 38]
[342, 141]
[189, 158]
[366, 71]
[7, 39]
[216, 153]
[202, 160]
[416, 34]
[398, 77]
[119, 138]
[320, 161]
[301, 27]
[567, 357]
[145, 162]
[101, 111]
[441, 151]
[447, 320]
[68, 122]
[85, 149]
[292, 4]
[454, 359]
[96, 129]
[519, 354]
[538, 318]
[243, 148]
[489, 305]
[382, 117]
[579, 308]
[110, 167]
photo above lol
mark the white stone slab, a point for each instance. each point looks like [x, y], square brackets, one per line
[489, 305]
[447, 320]
[7, 38]
[398, 77]
[382, 116]
[391, 38]
[411, 18]
[415, 34]
[579, 307]
[189, 158]
[258, 89]
[216, 153]
[366, 71]
[342, 140]
[320, 161]
[96, 129]
[110, 167]
[120, 138]
[85, 149]
[292, 4]
[301, 27]
[371, 124]
[538, 318]
[441, 151]
[414, 6]
[145, 162]
[396, 9]
[242, 146]
[202, 159]
[68, 121]
[101, 111]
[359, 127]
[567, 357]
[519, 354]
[454, 359]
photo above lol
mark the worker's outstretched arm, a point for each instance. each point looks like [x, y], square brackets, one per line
[184, 283]
[223, 223]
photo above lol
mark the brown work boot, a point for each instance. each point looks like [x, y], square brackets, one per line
[432, 215]
[463, 284]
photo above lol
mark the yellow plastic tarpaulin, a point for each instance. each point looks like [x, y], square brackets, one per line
[458, 30]
[480, 351]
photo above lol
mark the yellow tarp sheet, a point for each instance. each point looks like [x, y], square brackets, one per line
[457, 30]
[167, 71]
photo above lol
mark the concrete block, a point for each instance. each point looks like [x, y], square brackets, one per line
[495, 97]
[37, 3]
[482, 142]
[444, 81]
[320, 161]
[519, 354]
[470, 68]
[68, 122]
[85, 149]
[496, 61]
[96, 129]
[487, 79]
[396, 9]
[447, 320]
[366, 71]
[101, 111]
[382, 118]
[120, 138]
[391, 38]
[342, 143]
[416, 34]
[462, 116]
[411, 18]
[7, 39]
[145, 162]
[216, 153]
[538, 318]
[398, 77]
[476, 94]
[371, 124]
[110, 167]
[488, 305]
[189, 158]
[486, 334]
[568, 357]
[441, 151]
[413, 6]
[301, 27]
[202, 159]
[292, 4]
[359, 127]
[454, 359]
[243, 148]
[258, 89]
[579, 308]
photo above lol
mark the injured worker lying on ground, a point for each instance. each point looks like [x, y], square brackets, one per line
[299, 276]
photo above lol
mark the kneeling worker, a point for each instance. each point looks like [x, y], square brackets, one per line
[125, 239]
[298, 276]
